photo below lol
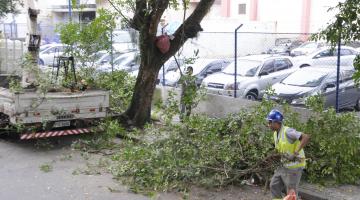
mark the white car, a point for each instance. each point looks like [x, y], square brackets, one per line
[126, 61]
[46, 57]
[306, 48]
[46, 46]
[254, 74]
[328, 56]
[202, 67]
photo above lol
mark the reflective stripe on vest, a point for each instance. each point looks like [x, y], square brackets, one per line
[283, 146]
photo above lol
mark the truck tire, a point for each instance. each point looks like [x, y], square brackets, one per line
[4, 120]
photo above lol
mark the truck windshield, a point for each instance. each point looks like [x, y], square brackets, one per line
[244, 67]
[305, 78]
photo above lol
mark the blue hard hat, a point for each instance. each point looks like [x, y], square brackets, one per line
[275, 116]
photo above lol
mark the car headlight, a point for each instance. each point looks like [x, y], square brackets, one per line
[232, 86]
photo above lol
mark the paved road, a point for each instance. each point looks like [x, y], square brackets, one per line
[22, 179]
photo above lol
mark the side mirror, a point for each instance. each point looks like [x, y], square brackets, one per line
[329, 85]
[263, 73]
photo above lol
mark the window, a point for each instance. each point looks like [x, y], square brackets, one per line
[325, 53]
[268, 67]
[280, 64]
[214, 67]
[242, 9]
[347, 75]
[345, 52]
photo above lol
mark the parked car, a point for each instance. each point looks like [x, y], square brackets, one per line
[170, 65]
[202, 67]
[126, 61]
[254, 74]
[46, 57]
[306, 48]
[283, 46]
[305, 82]
[46, 46]
[328, 56]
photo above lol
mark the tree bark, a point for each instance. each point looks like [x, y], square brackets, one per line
[151, 58]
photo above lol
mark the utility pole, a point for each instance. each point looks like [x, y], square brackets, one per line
[70, 14]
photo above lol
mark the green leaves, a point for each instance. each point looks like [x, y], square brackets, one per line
[217, 152]
[86, 39]
[9, 6]
[121, 86]
[346, 25]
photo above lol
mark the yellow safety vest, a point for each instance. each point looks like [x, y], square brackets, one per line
[283, 146]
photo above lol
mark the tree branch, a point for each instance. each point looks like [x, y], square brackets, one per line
[190, 27]
[158, 10]
[119, 11]
[139, 16]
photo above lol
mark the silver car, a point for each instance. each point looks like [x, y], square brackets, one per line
[309, 81]
[254, 74]
[328, 56]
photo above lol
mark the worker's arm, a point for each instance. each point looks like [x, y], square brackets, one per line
[304, 140]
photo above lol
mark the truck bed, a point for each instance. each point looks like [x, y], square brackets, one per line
[32, 107]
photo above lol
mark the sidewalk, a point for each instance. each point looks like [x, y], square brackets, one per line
[314, 192]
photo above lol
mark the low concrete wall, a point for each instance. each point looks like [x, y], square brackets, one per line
[220, 106]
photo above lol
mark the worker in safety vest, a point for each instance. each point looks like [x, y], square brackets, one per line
[289, 143]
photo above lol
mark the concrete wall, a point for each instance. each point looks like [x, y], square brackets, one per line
[221, 106]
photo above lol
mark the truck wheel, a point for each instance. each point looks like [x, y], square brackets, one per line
[4, 120]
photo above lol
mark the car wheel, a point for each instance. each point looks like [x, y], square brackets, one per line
[304, 65]
[357, 106]
[251, 96]
[41, 62]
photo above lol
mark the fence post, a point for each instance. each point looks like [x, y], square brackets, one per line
[111, 52]
[338, 73]
[235, 57]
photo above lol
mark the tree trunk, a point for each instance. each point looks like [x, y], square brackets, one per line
[139, 111]
[151, 58]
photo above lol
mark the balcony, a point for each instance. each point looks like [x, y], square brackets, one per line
[81, 6]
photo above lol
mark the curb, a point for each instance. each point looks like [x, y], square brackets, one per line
[311, 195]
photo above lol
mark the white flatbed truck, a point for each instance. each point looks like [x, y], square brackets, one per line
[45, 114]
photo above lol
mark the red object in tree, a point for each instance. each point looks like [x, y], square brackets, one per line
[163, 43]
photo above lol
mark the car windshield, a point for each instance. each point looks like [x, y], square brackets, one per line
[244, 67]
[305, 78]
[44, 47]
[309, 45]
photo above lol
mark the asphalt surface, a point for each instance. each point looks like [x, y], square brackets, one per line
[76, 176]
[21, 176]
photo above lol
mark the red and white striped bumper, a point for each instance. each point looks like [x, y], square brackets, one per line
[47, 134]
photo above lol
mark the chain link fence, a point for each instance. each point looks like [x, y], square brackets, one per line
[293, 66]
